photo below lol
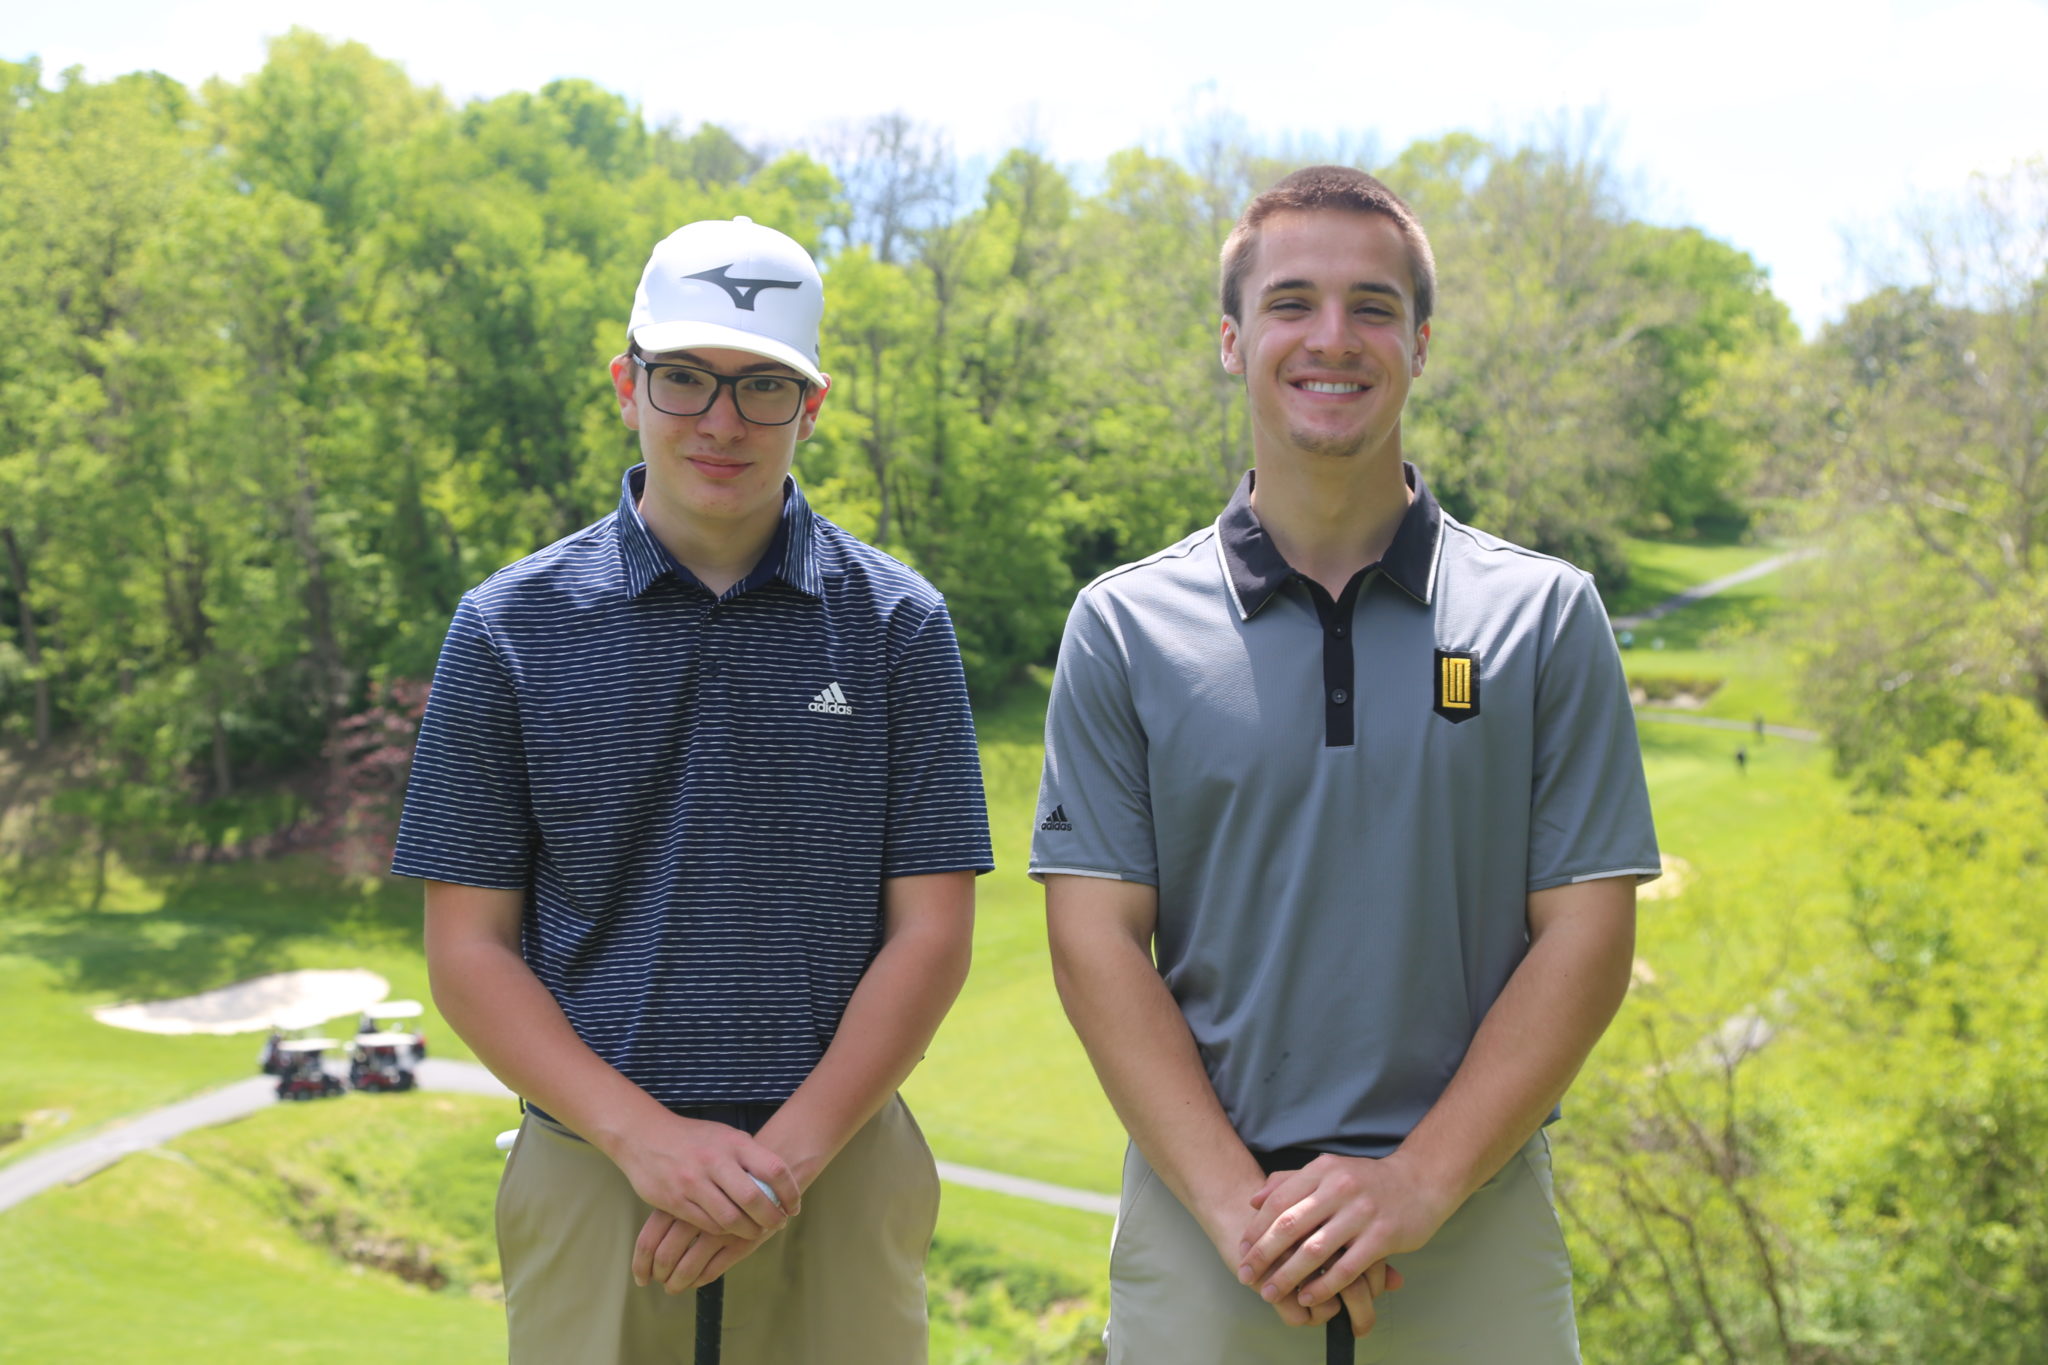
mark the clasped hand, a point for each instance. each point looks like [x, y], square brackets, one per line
[709, 1213]
[1319, 1237]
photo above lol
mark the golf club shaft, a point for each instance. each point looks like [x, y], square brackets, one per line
[1337, 1338]
[710, 1321]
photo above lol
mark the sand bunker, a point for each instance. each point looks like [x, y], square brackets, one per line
[1677, 872]
[284, 999]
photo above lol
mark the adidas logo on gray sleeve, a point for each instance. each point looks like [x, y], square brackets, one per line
[1058, 821]
[832, 702]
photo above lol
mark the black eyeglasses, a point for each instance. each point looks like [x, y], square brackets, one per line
[766, 400]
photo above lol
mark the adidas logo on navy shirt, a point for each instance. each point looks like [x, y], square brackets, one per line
[1058, 821]
[832, 702]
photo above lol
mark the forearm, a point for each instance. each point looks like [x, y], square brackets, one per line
[495, 1003]
[889, 1022]
[1147, 1061]
[1533, 1040]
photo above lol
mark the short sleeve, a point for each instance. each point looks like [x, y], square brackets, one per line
[938, 815]
[1094, 800]
[468, 818]
[1590, 807]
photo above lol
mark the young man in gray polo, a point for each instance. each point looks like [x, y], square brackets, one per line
[1340, 828]
[698, 802]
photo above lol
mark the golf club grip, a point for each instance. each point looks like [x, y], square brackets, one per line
[1337, 1338]
[710, 1320]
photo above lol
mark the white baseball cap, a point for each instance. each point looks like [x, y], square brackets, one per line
[735, 285]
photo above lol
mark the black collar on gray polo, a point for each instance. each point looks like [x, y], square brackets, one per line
[1257, 570]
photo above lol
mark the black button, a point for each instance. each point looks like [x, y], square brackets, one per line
[1340, 632]
[1340, 696]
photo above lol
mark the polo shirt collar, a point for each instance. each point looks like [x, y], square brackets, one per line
[1257, 570]
[791, 556]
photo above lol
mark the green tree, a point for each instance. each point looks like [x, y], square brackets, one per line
[1934, 483]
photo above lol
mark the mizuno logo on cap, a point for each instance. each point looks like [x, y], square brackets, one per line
[742, 290]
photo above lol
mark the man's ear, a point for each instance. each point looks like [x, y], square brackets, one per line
[624, 374]
[807, 420]
[1233, 363]
[1421, 351]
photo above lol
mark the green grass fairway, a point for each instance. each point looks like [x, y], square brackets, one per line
[228, 1239]
[1006, 1085]
[188, 931]
[1733, 641]
[263, 1239]
[181, 1256]
[1661, 569]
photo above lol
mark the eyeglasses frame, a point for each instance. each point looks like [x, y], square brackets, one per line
[722, 381]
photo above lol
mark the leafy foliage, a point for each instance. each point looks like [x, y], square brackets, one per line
[292, 361]
[1930, 405]
[1832, 1147]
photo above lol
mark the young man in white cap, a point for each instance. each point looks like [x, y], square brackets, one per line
[698, 804]
[1341, 824]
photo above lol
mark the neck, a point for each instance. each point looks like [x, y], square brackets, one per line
[1329, 518]
[719, 553]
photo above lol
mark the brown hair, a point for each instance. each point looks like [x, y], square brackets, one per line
[1316, 188]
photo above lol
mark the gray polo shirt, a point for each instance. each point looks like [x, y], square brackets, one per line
[1343, 803]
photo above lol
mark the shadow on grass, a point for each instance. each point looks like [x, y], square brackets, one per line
[209, 925]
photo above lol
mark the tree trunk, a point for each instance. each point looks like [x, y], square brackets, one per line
[330, 685]
[30, 645]
[223, 772]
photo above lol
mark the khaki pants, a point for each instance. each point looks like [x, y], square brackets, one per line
[842, 1283]
[1493, 1287]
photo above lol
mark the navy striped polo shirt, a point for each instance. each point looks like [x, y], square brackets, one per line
[700, 796]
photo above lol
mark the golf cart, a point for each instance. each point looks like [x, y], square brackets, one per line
[302, 1076]
[385, 1056]
[270, 1059]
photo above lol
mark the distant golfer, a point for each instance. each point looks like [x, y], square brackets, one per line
[698, 802]
[1341, 824]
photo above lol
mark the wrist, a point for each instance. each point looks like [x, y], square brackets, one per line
[1223, 1207]
[1439, 1186]
[623, 1133]
[798, 1147]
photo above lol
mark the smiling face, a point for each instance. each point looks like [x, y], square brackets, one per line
[716, 471]
[1327, 343]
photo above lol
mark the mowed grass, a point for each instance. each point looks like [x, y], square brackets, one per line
[183, 1255]
[173, 934]
[165, 1257]
[1661, 569]
[1736, 641]
[276, 1238]
[1006, 1085]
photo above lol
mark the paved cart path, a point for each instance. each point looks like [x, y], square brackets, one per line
[79, 1159]
[86, 1156]
[1712, 586]
[1722, 723]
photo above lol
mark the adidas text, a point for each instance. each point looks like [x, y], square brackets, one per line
[832, 702]
[1057, 821]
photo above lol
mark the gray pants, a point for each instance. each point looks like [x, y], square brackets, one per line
[1493, 1287]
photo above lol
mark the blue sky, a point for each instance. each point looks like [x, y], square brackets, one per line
[1791, 128]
